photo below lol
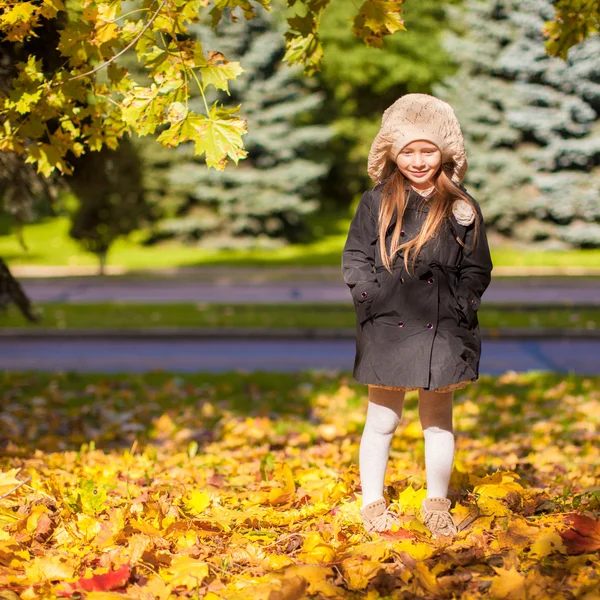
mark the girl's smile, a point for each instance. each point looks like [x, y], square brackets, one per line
[419, 161]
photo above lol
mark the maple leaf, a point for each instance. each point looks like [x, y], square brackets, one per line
[188, 572]
[583, 535]
[509, 583]
[315, 549]
[197, 502]
[100, 582]
[218, 136]
[219, 71]
[376, 19]
[358, 571]
[9, 480]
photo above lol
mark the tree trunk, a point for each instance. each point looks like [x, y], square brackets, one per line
[102, 261]
[11, 291]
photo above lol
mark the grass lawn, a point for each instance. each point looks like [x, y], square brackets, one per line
[331, 316]
[233, 486]
[49, 244]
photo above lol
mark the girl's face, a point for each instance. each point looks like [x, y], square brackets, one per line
[419, 162]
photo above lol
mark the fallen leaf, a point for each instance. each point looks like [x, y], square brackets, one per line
[583, 536]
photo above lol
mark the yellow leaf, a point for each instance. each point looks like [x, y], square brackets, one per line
[382, 15]
[34, 517]
[427, 578]
[508, 584]
[376, 19]
[49, 568]
[316, 577]
[419, 551]
[358, 571]
[8, 480]
[106, 32]
[88, 527]
[518, 534]
[496, 485]
[219, 71]
[188, 572]
[47, 158]
[284, 494]
[548, 543]
[21, 11]
[316, 550]
[197, 502]
[412, 499]
[276, 561]
[111, 528]
[290, 588]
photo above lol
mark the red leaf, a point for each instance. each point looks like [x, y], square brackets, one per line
[401, 534]
[100, 583]
[584, 535]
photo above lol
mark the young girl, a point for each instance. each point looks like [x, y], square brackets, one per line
[417, 262]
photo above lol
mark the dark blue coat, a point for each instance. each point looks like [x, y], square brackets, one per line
[416, 329]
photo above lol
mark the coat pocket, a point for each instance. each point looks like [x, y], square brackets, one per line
[363, 294]
[469, 305]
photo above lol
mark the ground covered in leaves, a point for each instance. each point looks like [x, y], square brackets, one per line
[242, 486]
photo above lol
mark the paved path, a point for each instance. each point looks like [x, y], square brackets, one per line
[137, 356]
[237, 289]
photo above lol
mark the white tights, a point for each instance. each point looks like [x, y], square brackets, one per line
[384, 412]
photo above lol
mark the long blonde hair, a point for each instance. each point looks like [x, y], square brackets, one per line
[393, 198]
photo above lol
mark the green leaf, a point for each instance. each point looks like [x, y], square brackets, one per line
[218, 136]
[219, 71]
[47, 158]
[144, 107]
[92, 496]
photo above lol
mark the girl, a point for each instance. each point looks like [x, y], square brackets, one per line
[417, 262]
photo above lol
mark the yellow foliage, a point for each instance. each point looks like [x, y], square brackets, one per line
[187, 572]
[315, 549]
[509, 584]
[548, 543]
[233, 519]
[50, 568]
[9, 480]
[197, 502]
[358, 571]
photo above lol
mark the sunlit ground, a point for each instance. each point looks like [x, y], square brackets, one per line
[239, 486]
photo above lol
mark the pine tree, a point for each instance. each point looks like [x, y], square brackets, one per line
[531, 124]
[263, 200]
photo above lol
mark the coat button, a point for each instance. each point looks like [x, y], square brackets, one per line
[429, 325]
[401, 324]
[364, 294]
[402, 232]
[430, 280]
[401, 279]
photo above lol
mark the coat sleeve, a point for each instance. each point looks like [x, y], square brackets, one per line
[358, 258]
[475, 271]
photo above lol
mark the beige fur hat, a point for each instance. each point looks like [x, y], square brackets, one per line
[418, 117]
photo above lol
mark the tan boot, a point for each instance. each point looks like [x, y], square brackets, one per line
[437, 517]
[377, 517]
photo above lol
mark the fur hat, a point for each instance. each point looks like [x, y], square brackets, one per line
[418, 117]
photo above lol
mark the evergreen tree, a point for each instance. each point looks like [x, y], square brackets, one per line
[262, 200]
[531, 123]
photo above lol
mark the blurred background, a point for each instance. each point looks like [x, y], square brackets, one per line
[181, 246]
